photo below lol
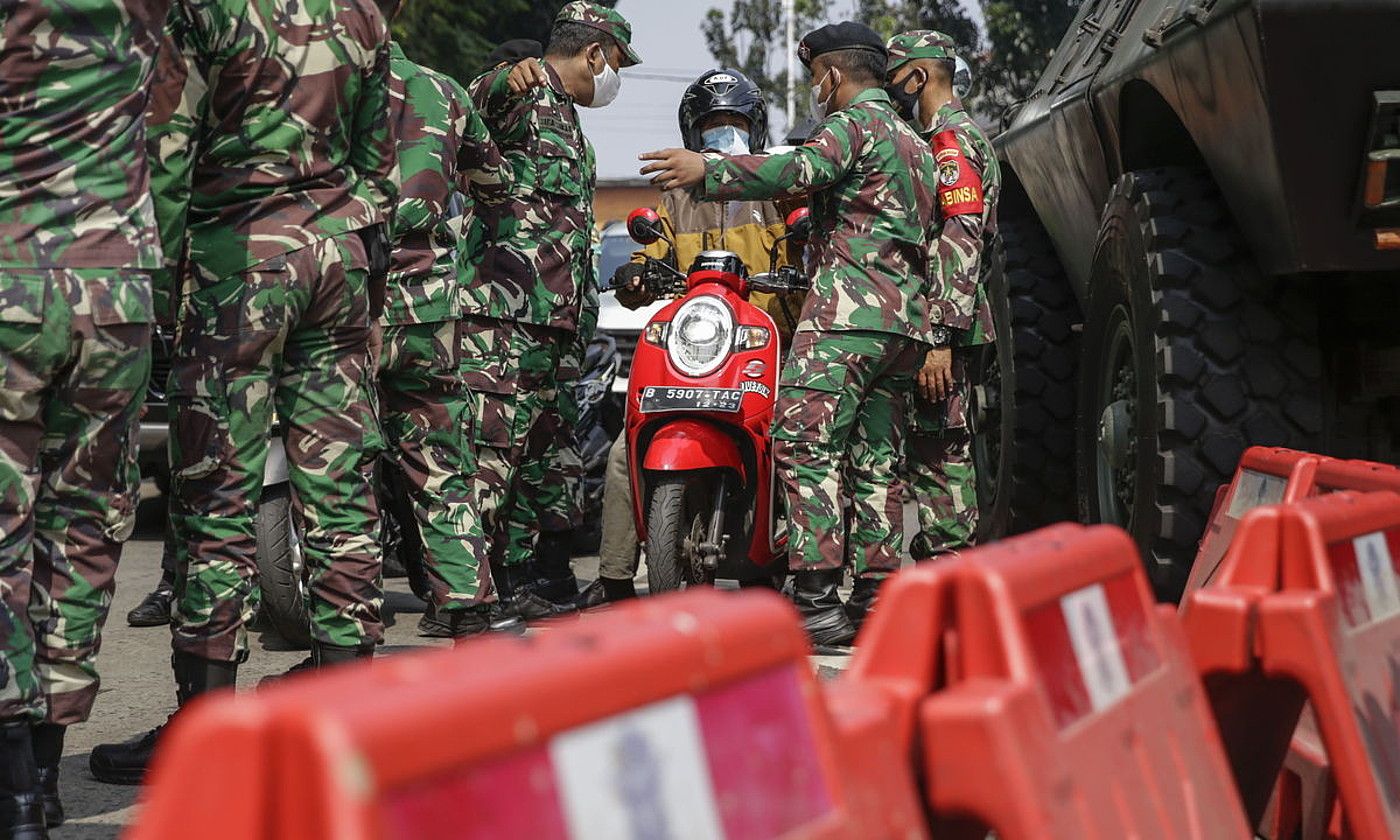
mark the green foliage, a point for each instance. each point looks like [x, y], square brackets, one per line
[751, 39]
[455, 36]
[1022, 35]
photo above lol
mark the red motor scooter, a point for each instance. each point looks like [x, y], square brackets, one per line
[699, 412]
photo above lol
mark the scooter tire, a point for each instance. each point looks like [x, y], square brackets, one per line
[280, 570]
[677, 502]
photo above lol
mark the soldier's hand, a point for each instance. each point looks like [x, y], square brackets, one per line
[526, 75]
[936, 377]
[675, 169]
[631, 290]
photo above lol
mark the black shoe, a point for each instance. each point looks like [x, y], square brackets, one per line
[21, 799]
[48, 751]
[604, 591]
[126, 763]
[515, 585]
[554, 578]
[322, 656]
[154, 609]
[861, 604]
[474, 621]
[823, 616]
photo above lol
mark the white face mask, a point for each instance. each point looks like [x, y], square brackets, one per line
[606, 84]
[822, 107]
[727, 139]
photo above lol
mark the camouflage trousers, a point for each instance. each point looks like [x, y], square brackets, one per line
[290, 336]
[424, 413]
[548, 499]
[940, 472]
[838, 438]
[74, 360]
[511, 370]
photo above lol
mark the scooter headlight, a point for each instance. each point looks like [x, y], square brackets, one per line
[701, 335]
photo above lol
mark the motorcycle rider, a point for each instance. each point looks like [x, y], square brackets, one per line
[841, 404]
[922, 73]
[724, 111]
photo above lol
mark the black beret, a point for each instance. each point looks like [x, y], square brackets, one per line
[515, 51]
[834, 37]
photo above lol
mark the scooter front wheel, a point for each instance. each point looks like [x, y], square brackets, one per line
[677, 519]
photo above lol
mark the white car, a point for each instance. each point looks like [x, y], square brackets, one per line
[625, 325]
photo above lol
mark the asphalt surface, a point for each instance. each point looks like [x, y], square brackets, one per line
[138, 693]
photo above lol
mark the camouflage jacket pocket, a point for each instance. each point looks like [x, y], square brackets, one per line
[558, 171]
[23, 296]
[123, 297]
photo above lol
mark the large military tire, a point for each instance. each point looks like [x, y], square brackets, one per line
[676, 518]
[281, 574]
[1025, 416]
[1189, 356]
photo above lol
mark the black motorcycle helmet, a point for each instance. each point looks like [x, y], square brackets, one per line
[729, 91]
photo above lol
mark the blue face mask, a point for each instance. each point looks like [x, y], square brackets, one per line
[726, 139]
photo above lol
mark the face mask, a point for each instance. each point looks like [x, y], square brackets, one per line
[909, 105]
[822, 107]
[606, 84]
[727, 139]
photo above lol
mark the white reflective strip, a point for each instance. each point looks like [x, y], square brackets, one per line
[1095, 642]
[1255, 489]
[639, 774]
[1377, 576]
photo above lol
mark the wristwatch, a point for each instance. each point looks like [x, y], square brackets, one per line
[942, 336]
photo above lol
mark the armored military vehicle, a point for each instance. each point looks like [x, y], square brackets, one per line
[1201, 228]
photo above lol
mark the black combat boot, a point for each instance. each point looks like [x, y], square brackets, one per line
[473, 621]
[21, 799]
[823, 617]
[154, 609]
[604, 591]
[48, 752]
[516, 586]
[556, 582]
[126, 763]
[862, 601]
[322, 656]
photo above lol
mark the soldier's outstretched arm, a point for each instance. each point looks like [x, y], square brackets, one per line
[821, 162]
[482, 169]
[373, 147]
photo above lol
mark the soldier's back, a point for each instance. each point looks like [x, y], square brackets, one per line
[281, 124]
[74, 188]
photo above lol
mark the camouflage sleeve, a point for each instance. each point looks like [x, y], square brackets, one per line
[588, 314]
[177, 98]
[373, 150]
[503, 110]
[821, 162]
[482, 169]
[957, 255]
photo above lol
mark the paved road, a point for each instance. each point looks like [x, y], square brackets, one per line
[138, 693]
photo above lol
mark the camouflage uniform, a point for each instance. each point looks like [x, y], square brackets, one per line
[443, 146]
[536, 271]
[77, 244]
[939, 460]
[860, 337]
[294, 157]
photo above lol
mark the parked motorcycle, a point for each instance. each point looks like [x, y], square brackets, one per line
[699, 411]
[598, 425]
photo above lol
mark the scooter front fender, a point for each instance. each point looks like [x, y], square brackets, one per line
[683, 445]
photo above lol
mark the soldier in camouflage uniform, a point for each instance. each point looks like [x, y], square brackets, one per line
[841, 401]
[443, 146]
[939, 463]
[536, 271]
[292, 178]
[78, 243]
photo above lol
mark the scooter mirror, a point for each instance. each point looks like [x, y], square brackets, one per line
[799, 224]
[644, 226]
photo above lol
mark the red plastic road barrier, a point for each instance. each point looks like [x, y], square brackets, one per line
[1050, 696]
[1307, 604]
[692, 715]
[1274, 475]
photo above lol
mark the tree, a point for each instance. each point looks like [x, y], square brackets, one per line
[751, 39]
[1022, 35]
[455, 36]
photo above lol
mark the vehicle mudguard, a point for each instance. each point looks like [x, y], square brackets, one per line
[692, 445]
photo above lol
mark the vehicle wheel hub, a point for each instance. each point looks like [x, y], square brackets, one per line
[1116, 434]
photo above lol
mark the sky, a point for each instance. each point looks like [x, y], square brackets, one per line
[666, 34]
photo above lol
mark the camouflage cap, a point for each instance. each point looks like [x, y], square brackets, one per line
[921, 43]
[604, 19]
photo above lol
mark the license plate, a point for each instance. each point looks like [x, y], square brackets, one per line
[656, 399]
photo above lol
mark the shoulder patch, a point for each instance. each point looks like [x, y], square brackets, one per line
[959, 183]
